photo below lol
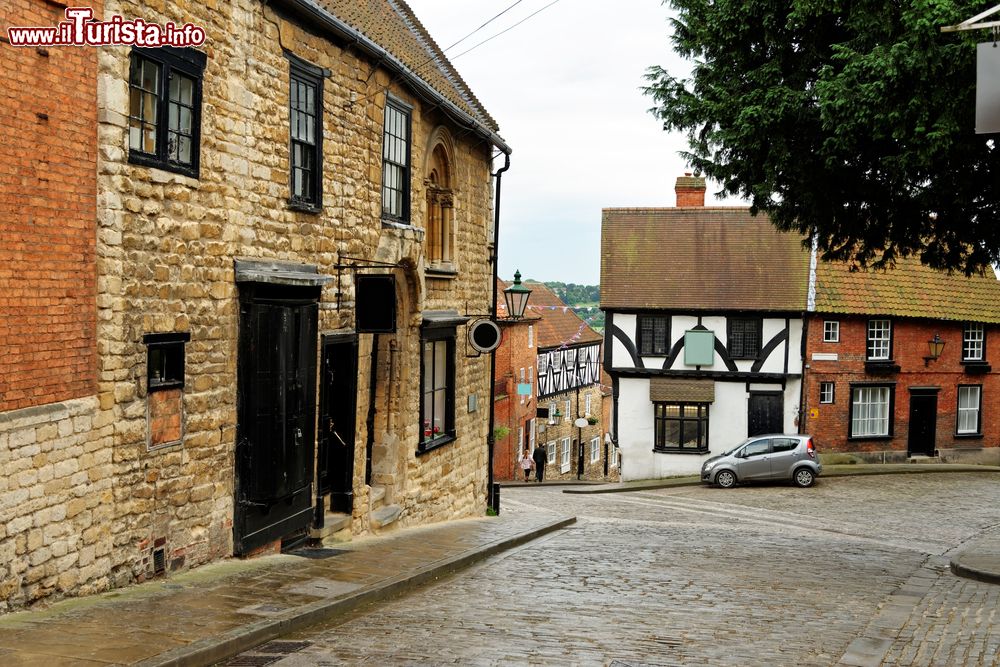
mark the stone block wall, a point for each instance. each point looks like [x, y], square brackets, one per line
[592, 470]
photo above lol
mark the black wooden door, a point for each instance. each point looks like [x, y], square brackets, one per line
[276, 418]
[338, 401]
[923, 424]
[765, 413]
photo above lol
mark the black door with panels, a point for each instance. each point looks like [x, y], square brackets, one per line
[276, 414]
[338, 404]
[923, 423]
[765, 413]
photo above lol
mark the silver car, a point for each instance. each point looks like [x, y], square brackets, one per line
[765, 457]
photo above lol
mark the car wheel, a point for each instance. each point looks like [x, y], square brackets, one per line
[726, 479]
[803, 477]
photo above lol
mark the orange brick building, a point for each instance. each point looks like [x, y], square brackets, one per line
[872, 387]
[48, 172]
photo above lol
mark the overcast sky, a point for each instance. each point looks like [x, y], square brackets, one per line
[564, 87]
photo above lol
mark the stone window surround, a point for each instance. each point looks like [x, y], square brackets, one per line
[305, 73]
[190, 63]
[438, 334]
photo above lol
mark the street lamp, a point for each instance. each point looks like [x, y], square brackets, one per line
[935, 347]
[516, 298]
[555, 418]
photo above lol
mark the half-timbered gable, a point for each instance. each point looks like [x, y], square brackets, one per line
[703, 331]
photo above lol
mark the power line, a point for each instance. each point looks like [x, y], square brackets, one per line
[484, 25]
[505, 30]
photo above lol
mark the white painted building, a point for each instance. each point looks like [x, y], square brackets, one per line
[703, 332]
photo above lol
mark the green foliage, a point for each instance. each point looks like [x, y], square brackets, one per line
[500, 432]
[853, 121]
[583, 299]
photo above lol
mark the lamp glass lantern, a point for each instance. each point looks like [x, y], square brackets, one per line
[935, 346]
[516, 298]
[555, 418]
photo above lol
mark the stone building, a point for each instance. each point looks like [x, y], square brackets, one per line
[557, 357]
[872, 388]
[292, 221]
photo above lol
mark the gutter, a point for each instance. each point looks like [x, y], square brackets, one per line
[312, 15]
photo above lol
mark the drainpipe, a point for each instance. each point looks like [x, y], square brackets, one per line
[490, 500]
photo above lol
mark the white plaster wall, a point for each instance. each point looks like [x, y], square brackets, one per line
[727, 427]
[795, 349]
[620, 358]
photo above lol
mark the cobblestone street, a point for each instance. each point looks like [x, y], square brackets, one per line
[767, 575]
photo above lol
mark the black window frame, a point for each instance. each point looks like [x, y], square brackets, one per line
[869, 340]
[702, 421]
[736, 343]
[835, 329]
[165, 360]
[186, 62]
[892, 411]
[304, 73]
[965, 332]
[833, 392]
[447, 434]
[648, 348]
[978, 433]
[393, 104]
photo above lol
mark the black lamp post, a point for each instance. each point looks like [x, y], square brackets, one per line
[516, 298]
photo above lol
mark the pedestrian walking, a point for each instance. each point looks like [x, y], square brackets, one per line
[526, 463]
[539, 455]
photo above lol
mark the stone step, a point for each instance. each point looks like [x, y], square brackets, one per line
[333, 523]
[384, 516]
[375, 495]
[925, 459]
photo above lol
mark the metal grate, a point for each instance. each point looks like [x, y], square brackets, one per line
[253, 660]
[317, 553]
[279, 647]
[159, 561]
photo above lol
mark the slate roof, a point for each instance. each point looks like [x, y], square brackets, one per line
[557, 324]
[908, 290]
[700, 258]
[392, 25]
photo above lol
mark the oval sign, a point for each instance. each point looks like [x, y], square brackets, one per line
[581, 422]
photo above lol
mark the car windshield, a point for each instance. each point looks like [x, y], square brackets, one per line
[730, 451]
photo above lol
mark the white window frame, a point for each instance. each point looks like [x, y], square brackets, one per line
[531, 433]
[595, 449]
[971, 410]
[831, 331]
[878, 341]
[565, 459]
[973, 342]
[871, 413]
[586, 405]
[612, 455]
[531, 336]
[566, 411]
[827, 392]
[531, 381]
[550, 449]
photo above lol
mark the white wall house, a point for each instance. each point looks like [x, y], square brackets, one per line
[703, 331]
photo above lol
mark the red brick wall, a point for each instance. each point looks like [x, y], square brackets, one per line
[512, 355]
[48, 165]
[909, 347]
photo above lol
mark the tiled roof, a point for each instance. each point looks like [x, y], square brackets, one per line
[908, 290]
[700, 258]
[558, 324]
[392, 25]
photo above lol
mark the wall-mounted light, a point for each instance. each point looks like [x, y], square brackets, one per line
[555, 418]
[935, 346]
[516, 298]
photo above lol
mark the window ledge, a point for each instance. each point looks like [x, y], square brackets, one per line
[680, 450]
[405, 230]
[429, 445]
[881, 367]
[303, 207]
[977, 367]
[968, 436]
[169, 169]
[441, 272]
[869, 438]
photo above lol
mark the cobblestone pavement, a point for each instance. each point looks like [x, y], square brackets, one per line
[853, 571]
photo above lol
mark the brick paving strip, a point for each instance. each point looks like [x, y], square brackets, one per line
[216, 611]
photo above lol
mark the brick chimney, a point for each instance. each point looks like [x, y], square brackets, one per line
[690, 190]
